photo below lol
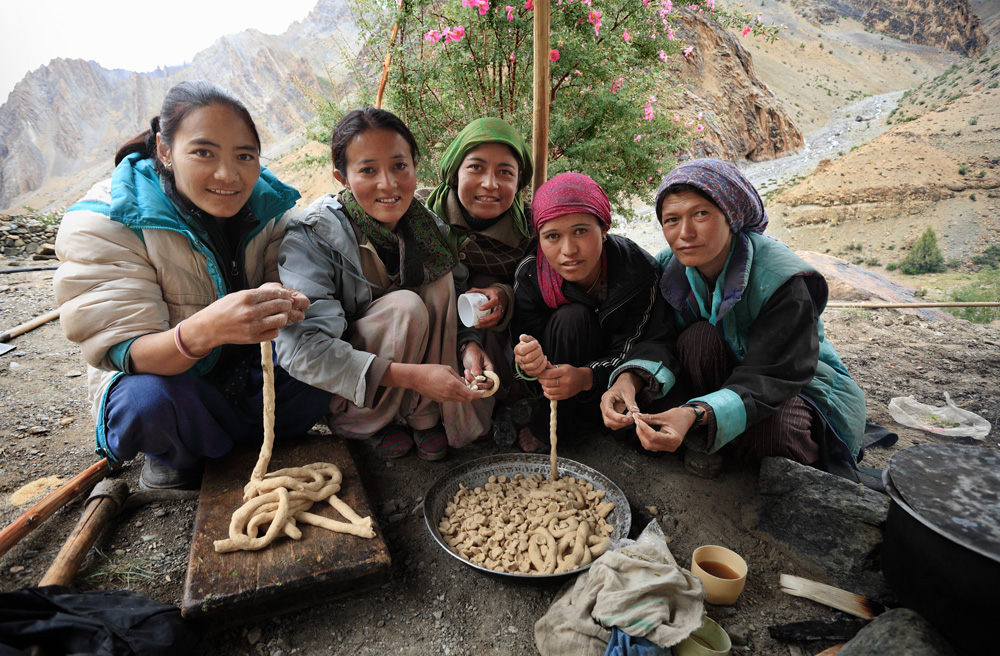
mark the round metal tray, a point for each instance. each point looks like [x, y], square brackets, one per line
[476, 472]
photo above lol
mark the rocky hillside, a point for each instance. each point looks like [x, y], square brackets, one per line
[61, 123]
[938, 165]
[744, 119]
[946, 24]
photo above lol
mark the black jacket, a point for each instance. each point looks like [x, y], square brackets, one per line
[635, 320]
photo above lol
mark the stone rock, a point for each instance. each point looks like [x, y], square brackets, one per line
[946, 24]
[898, 631]
[828, 526]
[743, 118]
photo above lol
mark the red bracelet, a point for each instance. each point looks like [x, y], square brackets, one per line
[180, 345]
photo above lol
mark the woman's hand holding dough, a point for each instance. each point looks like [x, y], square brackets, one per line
[529, 357]
[673, 425]
[618, 404]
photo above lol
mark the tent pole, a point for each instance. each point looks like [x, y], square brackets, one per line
[540, 116]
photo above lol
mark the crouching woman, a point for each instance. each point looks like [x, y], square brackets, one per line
[168, 282]
[758, 378]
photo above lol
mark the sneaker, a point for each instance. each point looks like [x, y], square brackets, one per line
[157, 476]
[392, 442]
[432, 443]
[705, 465]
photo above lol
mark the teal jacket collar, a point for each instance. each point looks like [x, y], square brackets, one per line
[138, 200]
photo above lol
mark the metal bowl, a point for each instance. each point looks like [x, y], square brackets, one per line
[476, 472]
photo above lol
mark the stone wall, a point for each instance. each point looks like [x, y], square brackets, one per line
[27, 237]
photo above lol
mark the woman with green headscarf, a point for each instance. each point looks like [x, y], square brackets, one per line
[482, 174]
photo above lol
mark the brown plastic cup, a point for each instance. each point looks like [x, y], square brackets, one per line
[722, 571]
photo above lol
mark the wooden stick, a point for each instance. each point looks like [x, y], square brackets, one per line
[28, 325]
[929, 304]
[540, 117]
[388, 61]
[105, 501]
[830, 596]
[55, 500]
[553, 439]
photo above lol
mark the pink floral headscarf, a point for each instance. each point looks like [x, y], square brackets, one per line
[567, 193]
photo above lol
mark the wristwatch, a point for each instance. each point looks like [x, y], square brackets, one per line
[699, 414]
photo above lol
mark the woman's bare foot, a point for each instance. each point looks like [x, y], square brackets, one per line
[529, 443]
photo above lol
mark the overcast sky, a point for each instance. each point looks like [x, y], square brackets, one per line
[136, 35]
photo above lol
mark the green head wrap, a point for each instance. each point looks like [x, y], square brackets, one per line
[481, 131]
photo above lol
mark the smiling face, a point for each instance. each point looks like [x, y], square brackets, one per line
[487, 180]
[573, 244]
[214, 158]
[380, 174]
[697, 232]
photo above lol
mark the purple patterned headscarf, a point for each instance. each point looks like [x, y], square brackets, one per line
[567, 193]
[726, 186]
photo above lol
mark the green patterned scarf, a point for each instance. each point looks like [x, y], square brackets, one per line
[422, 251]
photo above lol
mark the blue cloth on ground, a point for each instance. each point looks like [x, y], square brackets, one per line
[622, 644]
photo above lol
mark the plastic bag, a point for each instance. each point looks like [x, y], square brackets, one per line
[650, 546]
[948, 420]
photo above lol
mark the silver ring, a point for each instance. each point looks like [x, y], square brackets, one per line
[557, 382]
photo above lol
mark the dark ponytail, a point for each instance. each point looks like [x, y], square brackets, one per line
[180, 101]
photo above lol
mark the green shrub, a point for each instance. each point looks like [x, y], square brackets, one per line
[985, 288]
[892, 266]
[990, 257]
[963, 169]
[924, 256]
[974, 120]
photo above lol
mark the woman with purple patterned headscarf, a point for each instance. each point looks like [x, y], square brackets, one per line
[586, 301]
[757, 377]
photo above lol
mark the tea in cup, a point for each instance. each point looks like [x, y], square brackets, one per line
[722, 571]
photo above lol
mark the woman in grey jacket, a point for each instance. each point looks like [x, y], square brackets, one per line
[168, 282]
[381, 332]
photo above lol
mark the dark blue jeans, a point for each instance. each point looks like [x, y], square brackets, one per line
[180, 420]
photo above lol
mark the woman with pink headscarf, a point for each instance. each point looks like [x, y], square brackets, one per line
[586, 302]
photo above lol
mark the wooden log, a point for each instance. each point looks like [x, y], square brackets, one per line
[55, 500]
[105, 501]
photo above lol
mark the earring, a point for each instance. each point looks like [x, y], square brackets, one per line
[168, 165]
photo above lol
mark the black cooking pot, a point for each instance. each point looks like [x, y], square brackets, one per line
[941, 546]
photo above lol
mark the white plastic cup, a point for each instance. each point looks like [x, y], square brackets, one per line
[468, 308]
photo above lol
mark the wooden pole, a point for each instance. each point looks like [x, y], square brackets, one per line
[540, 117]
[388, 61]
[104, 503]
[929, 304]
[7, 335]
[55, 500]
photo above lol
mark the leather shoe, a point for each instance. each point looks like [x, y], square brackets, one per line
[157, 476]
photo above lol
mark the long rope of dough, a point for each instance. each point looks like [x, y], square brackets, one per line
[281, 498]
[554, 475]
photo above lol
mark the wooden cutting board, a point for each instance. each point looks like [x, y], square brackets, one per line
[234, 588]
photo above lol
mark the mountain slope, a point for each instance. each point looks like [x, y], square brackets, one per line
[62, 122]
